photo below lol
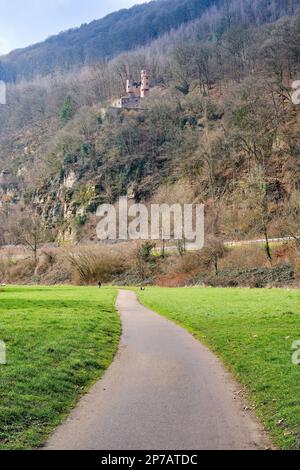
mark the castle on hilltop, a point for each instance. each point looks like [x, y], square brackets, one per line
[136, 92]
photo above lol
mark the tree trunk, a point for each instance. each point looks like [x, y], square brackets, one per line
[267, 247]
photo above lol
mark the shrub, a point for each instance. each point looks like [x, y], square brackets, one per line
[66, 111]
[93, 264]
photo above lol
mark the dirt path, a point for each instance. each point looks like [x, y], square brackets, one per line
[164, 390]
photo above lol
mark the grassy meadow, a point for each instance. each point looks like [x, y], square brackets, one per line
[252, 330]
[59, 342]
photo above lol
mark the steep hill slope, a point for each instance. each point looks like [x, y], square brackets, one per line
[102, 39]
[219, 123]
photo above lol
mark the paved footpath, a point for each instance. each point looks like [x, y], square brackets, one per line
[164, 391]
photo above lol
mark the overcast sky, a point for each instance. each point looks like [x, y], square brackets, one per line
[24, 22]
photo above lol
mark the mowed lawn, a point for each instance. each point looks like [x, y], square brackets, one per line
[252, 331]
[59, 342]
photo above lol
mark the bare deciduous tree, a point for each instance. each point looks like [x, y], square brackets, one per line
[30, 230]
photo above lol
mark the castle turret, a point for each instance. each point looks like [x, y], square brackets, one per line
[145, 83]
[132, 88]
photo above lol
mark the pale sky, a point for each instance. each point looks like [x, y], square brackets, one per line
[25, 22]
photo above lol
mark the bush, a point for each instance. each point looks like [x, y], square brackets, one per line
[80, 220]
[252, 277]
[66, 111]
[93, 264]
[21, 271]
[70, 159]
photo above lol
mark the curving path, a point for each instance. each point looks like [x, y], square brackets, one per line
[164, 391]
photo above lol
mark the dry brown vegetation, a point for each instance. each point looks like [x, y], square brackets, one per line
[140, 264]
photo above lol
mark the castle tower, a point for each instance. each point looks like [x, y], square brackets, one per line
[145, 83]
[132, 88]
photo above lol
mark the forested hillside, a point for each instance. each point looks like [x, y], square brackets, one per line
[102, 39]
[219, 127]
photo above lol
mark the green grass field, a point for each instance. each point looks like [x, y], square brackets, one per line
[59, 342]
[252, 331]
